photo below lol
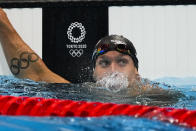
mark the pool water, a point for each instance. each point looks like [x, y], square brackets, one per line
[117, 123]
[179, 93]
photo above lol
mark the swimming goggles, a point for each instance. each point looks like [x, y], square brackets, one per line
[103, 48]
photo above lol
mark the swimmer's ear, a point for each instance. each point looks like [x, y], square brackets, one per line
[136, 72]
[137, 75]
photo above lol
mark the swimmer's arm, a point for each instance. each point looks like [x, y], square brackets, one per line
[22, 60]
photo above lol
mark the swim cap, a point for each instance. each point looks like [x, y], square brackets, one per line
[115, 43]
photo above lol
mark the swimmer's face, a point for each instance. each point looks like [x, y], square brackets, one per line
[113, 61]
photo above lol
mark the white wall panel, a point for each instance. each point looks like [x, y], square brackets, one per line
[28, 23]
[164, 37]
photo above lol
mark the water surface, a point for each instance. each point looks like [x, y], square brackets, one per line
[180, 96]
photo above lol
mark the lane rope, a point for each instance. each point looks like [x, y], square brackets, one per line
[37, 106]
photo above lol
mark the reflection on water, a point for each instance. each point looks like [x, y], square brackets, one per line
[164, 96]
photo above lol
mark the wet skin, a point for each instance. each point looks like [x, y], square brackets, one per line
[114, 61]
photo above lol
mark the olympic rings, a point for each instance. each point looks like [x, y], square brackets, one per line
[23, 62]
[76, 52]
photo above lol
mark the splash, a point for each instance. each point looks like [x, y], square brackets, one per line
[114, 81]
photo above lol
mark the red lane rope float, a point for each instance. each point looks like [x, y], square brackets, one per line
[35, 106]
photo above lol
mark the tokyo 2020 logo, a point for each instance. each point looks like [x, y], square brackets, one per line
[82, 32]
[76, 46]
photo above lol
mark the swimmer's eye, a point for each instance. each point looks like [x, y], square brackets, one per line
[104, 63]
[122, 62]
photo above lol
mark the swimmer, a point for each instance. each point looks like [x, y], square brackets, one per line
[114, 57]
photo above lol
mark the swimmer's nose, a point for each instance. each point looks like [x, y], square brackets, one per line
[113, 67]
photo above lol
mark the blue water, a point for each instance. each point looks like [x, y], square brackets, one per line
[179, 95]
[120, 123]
